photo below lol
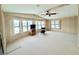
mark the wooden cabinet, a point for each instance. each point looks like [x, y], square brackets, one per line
[33, 31]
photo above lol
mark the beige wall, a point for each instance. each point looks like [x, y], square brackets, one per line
[47, 24]
[2, 29]
[68, 25]
[8, 25]
[78, 32]
[9, 29]
[0, 22]
[78, 29]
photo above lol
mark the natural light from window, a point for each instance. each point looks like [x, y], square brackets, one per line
[16, 25]
[39, 24]
[55, 24]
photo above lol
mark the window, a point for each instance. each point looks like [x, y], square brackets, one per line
[16, 26]
[24, 23]
[28, 24]
[55, 24]
[20, 26]
[43, 24]
[39, 24]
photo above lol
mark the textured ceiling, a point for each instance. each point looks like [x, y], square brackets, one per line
[70, 10]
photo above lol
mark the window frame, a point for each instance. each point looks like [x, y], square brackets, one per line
[55, 25]
[28, 25]
[20, 26]
[16, 26]
[24, 26]
[39, 24]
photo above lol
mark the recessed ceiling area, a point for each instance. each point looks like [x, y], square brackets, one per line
[27, 8]
[38, 9]
[66, 11]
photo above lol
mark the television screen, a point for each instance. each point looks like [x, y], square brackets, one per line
[32, 26]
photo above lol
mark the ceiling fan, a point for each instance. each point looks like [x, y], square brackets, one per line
[48, 13]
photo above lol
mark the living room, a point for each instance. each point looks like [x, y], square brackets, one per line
[59, 20]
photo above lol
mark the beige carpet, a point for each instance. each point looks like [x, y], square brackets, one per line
[51, 43]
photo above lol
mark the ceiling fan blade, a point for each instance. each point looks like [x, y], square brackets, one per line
[47, 12]
[53, 13]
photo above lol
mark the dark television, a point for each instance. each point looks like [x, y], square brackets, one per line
[32, 26]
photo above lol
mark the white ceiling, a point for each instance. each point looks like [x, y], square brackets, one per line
[70, 10]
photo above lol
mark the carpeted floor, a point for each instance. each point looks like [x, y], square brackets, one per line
[52, 43]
